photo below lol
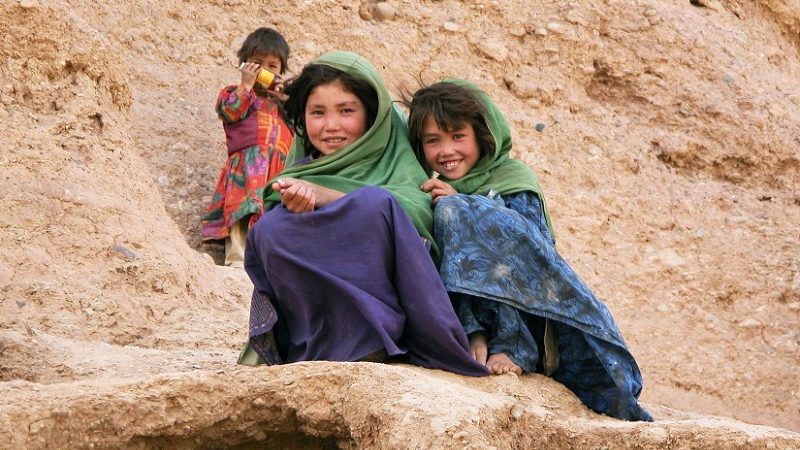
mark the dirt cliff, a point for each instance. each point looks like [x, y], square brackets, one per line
[669, 153]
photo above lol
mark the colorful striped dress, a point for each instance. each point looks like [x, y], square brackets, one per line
[258, 142]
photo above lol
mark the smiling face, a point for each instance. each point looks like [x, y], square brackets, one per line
[334, 117]
[450, 153]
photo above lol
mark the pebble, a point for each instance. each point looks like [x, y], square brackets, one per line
[540, 31]
[794, 306]
[650, 12]
[197, 366]
[220, 372]
[516, 412]
[259, 402]
[121, 252]
[450, 26]
[555, 27]
[384, 11]
[662, 308]
[29, 4]
[728, 78]
[749, 323]
[703, 3]
[540, 127]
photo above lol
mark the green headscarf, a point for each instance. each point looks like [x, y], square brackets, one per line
[498, 172]
[381, 157]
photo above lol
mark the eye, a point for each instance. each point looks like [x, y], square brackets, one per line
[430, 141]
[459, 136]
[315, 112]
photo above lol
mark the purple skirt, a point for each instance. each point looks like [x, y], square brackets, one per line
[347, 280]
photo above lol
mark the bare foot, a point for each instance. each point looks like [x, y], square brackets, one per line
[500, 363]
[478, 348]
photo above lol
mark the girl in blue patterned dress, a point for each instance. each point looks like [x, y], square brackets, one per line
[522, 306]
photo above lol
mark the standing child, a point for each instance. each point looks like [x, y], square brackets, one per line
[258, 141]
[522, 306]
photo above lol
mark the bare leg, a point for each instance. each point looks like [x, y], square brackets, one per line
[500, 363]
[478, 347]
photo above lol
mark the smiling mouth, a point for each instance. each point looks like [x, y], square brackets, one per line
[450, 165]
[334, 140]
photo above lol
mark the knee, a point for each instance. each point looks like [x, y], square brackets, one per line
[448, 208]
[373, 197]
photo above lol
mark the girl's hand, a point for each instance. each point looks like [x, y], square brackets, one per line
[249, 73]
[438, 189]
[296, 195]
[302, 196]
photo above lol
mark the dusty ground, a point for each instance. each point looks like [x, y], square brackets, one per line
[669, 154]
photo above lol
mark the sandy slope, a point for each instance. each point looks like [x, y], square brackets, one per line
[669, 154]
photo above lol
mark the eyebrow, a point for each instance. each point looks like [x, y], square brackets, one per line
[340, 104]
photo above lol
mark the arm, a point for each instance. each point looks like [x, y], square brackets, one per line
[233, 103]
[301, 196]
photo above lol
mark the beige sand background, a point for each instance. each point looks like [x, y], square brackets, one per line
[670, 154]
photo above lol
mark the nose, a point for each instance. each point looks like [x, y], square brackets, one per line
[331, 122]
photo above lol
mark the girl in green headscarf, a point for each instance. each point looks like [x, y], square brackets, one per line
[340, 264]
[522, 306]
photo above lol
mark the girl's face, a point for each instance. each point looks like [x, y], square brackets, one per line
[267, 61]
[335, 118]
[452, 154]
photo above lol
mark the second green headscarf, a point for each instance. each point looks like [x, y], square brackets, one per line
[498, 172]
[381, 157]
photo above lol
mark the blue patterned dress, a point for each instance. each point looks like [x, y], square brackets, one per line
[506, 279]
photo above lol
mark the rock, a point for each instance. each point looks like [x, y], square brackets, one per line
[365, 11]
[795, 306]
[121, 252]
[539, 127]
[384, 11]
[259, 402]
[749, 324]
[450, 26]
[555, 27]
[540, 31]
[650, 12]
[29, 4]
[700, 3]
[493, 50]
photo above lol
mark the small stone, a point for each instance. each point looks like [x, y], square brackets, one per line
[384, 11]
[450, 26]
[540, 31]
[650, 12]
[662, 308]
[794, 306]
[555, 27]
[259, 402]
[29, 4]
[540, 127]
[700, 3]
[749, 324]
[121, 252]
[163, 180]
[728, 78]
[517, 412]
[364, 11]
[197, 366]
[220, 372]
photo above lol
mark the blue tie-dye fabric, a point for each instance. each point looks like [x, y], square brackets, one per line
[500, 250]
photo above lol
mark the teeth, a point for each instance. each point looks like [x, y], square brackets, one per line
[450, 164]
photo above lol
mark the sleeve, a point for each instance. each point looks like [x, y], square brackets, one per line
[233, 104]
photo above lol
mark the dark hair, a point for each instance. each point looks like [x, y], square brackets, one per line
[450, 105]
[267, 41]
[299, 88]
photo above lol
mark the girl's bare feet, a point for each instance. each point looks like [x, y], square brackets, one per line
[500, 363]
[478, 347]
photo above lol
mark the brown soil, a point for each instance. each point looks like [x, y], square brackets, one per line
[669, 155]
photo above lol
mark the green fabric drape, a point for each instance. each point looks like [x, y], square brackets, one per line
[498, 172]
[381, 157]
